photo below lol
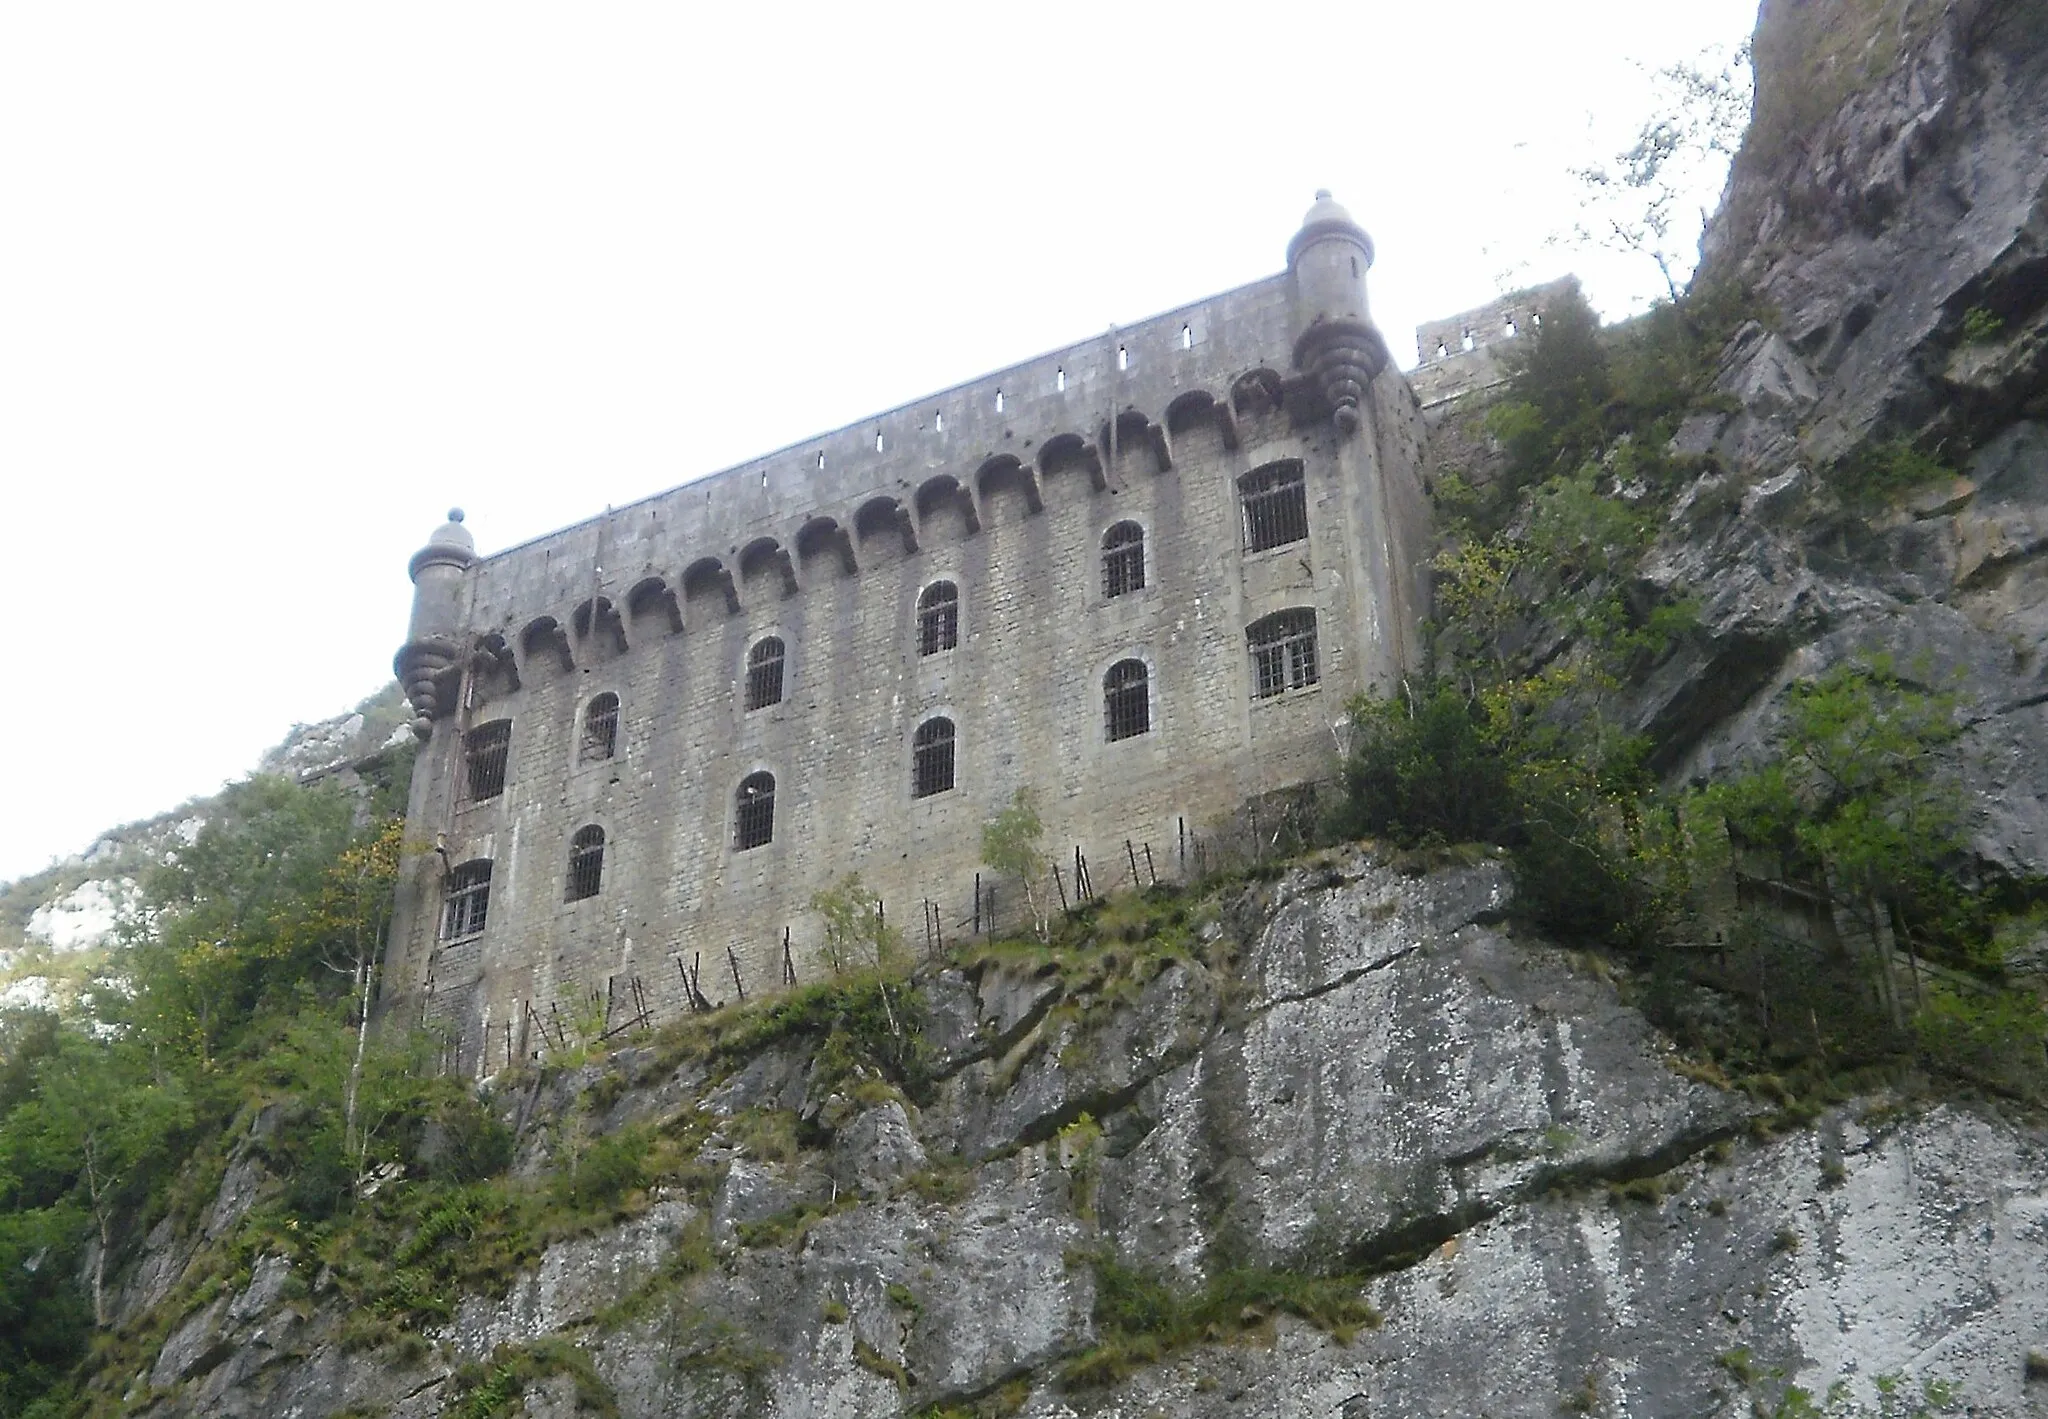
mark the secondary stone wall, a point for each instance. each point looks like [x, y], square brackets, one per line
[1006, 487]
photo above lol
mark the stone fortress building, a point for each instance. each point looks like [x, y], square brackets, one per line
[1140, 576]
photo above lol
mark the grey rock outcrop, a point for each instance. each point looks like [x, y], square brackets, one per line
[1362, 1069]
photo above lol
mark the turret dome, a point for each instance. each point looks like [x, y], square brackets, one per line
[451, 545]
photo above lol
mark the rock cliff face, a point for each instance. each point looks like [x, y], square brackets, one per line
[1890, 213]
[1358, 1069]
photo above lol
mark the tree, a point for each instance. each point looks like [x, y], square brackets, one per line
[1012, 843]
[99, 1115]
[1638, 201]
[854, 926]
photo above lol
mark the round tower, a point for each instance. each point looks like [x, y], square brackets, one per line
[433, 645]
[1337, 346]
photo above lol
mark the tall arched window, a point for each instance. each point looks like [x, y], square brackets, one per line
[1123, 559]
[586, 864]
[1283, 649]
[764, 673]
[938, 618]
[600, 728]
[753, 818]
[931, 758]
[466, 901]
[1126, 700]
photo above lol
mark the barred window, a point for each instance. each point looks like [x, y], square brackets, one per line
[1123, 559]
[467, 903]
[1126, 700]
[1283, 652]
[938, 618]
[600, 728]
[1275, 505]
[931, 758]
[753, 821]
[764, 673]
[586, 864]
[484, 752]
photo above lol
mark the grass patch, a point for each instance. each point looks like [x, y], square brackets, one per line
[492, 1388]
[1141, 1319]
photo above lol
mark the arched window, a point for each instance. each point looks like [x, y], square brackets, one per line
[600, 728]
[931, 758]
[466, 901]
[764, 673]
[1123, 559]
[1126, 700]
[1283, 651]
[586, 864]
[1275, 503]
[753, 819]
[938, 618]
[485, 750]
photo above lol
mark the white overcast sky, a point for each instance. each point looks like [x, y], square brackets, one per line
[281, 282]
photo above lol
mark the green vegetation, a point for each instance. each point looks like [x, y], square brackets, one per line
[856, 934]
[1013, 843]
[1980, 326]
[1824, 890]
[1141, 1319]
[492, 1389]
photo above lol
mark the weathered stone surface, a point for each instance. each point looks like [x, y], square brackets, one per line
[874, 1149]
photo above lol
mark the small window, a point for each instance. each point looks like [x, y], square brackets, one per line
[931, 758]
[753, 819]
[1123, 559]
[1126, 700]
[1275, 505]
[600, 729]
[586, 864]
[467, 905]
[1283, 652]
[764, 673]
[484, 752]
[938, 618]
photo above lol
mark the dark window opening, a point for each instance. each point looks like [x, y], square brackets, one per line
[467, 905]
[938, 618]
[753, 823]
[1283, 652]
[1126, 700]
[931, 758]
[1275, 506]
[586, 864]
[764, 674]
[600, 728]
[1123, 559]
[485, 750]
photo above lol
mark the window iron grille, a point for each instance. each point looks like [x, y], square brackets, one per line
[1283, 649]
[586, 864]
[931, 758]
[600, 729]
[938, 618]
[1126, 700]
[1123, 559]
[467, 904]
[754, 813]
[764, 674]
[1275, 500]
[485, 750]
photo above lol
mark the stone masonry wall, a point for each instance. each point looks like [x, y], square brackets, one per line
[1159, 408]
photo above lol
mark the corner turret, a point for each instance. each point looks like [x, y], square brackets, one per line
[1338, 348]
[433, 646]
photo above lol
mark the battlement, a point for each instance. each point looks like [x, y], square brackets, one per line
[1462, 354]
[1078, 410]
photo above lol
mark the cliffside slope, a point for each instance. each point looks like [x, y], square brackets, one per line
[1171, 1176]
